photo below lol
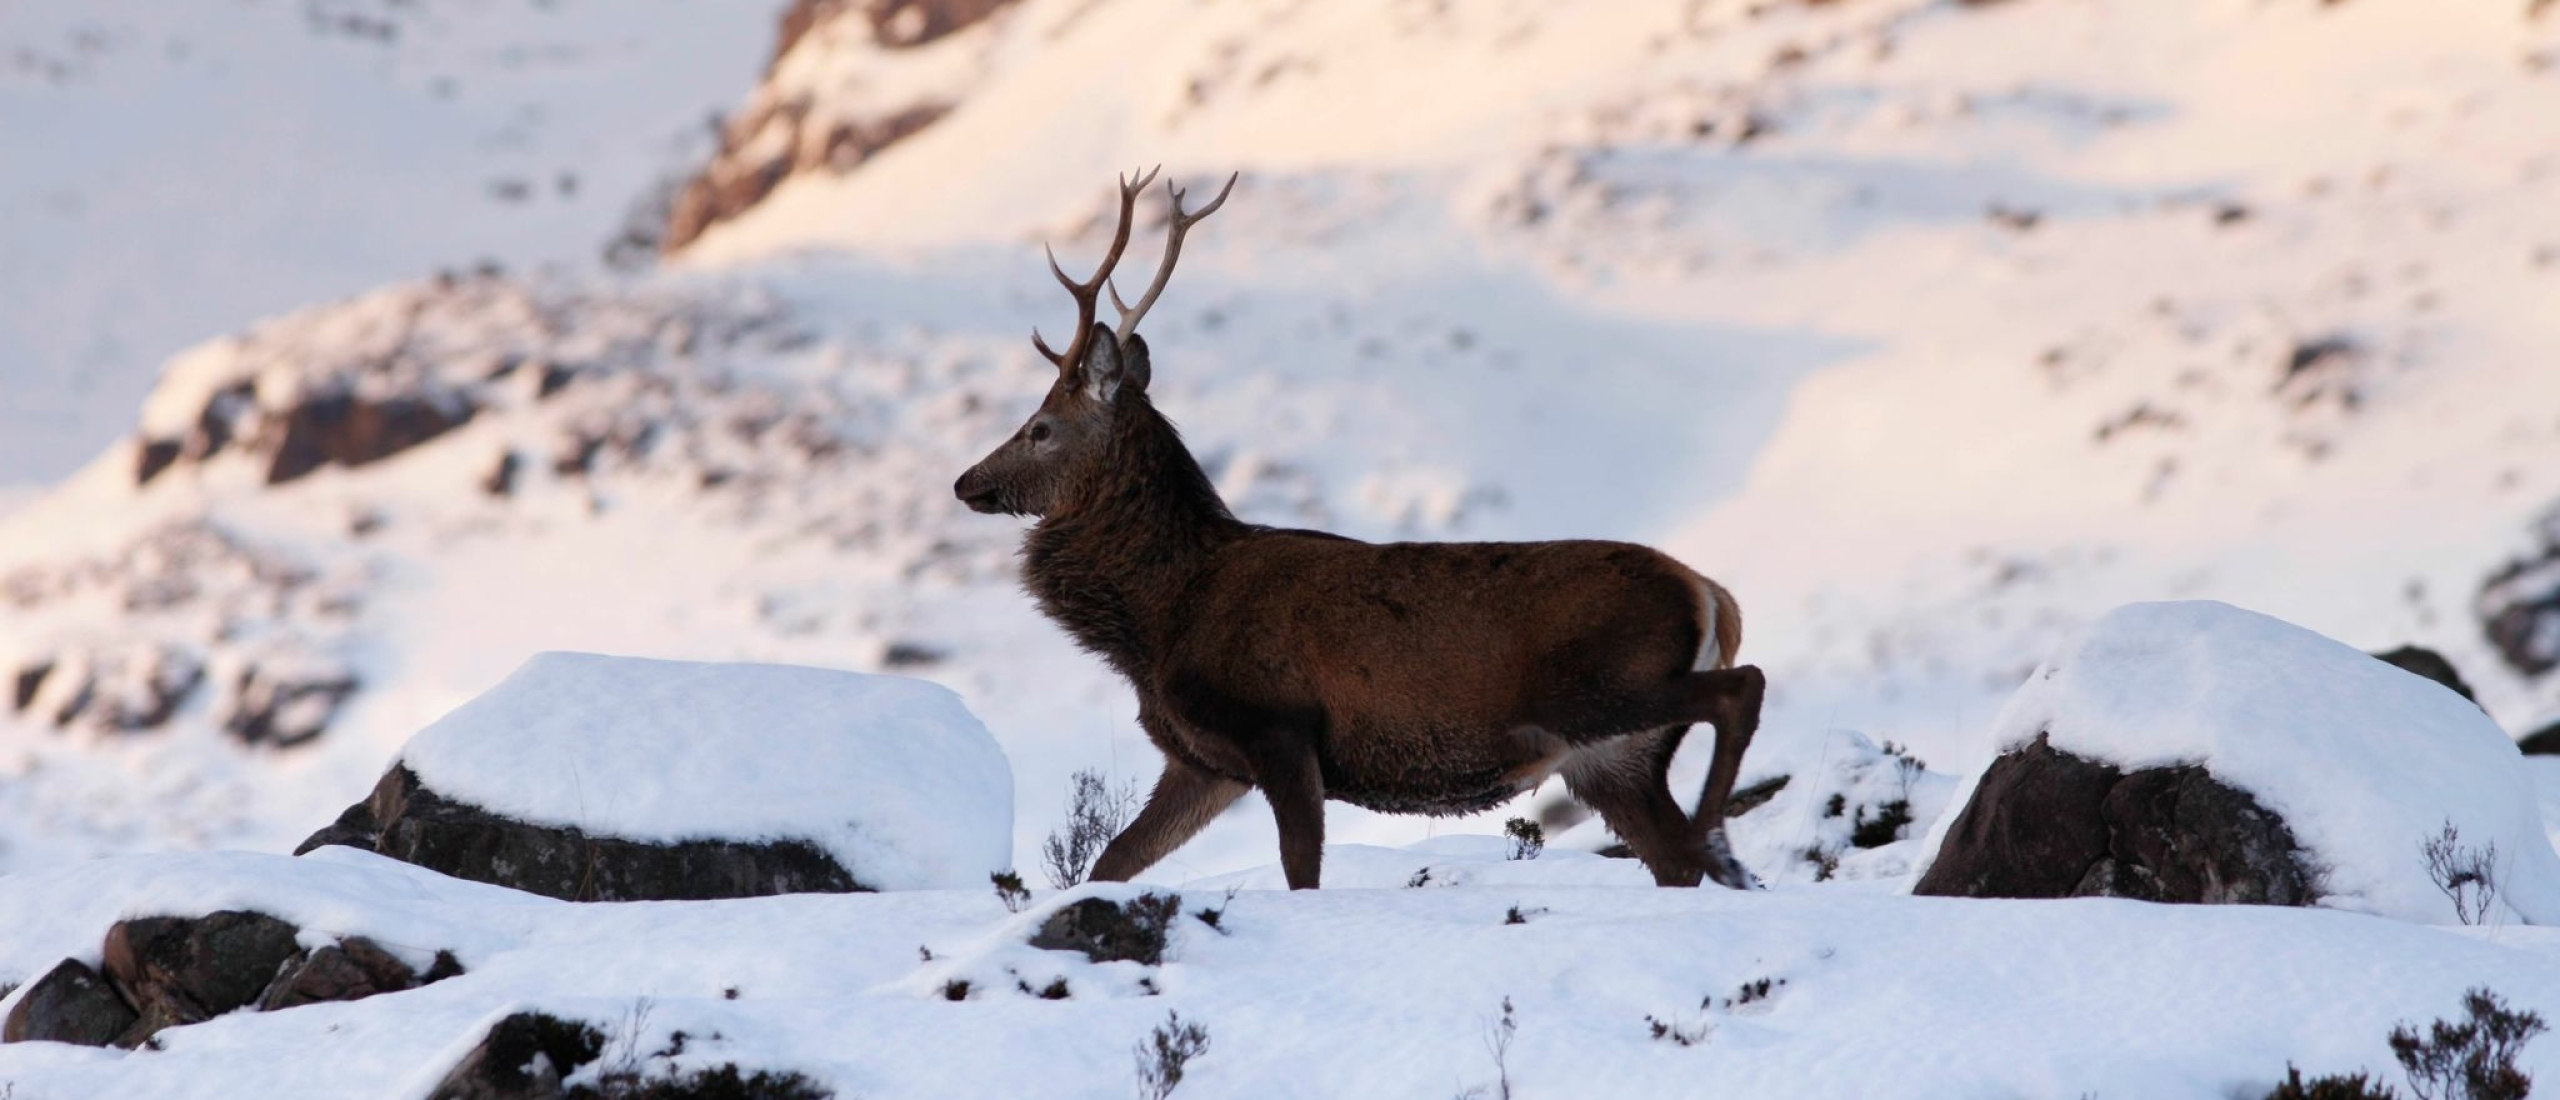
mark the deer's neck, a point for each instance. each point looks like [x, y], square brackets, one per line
[1111, 564]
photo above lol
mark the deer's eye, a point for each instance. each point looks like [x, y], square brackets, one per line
[1039, 432]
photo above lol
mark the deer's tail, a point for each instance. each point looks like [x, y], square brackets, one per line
[1720, 620]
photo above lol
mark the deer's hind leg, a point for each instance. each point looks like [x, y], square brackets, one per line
[1626, 781]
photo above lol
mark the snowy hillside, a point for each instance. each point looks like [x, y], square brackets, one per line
[1932, 329]
[177, 170]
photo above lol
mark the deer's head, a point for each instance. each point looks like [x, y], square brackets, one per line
[1103, 372]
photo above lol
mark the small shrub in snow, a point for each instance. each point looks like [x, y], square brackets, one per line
[1010, 890]
[957, 989]
[1166, 1054]
[2467, 875]
[1216, 918]
[1527, 838]
[1882, 829]
[1096, 812]
[1678, 1034]
[1419, 880]
[2336, 1086]
[2471, 1060]
[719, 1083]
[1498, 1034]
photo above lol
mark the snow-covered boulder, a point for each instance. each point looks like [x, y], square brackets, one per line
[607, 778]
[2199, 752]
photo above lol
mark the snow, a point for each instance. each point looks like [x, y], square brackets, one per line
[1535, 300]
[2364, 762]
[1883, 995]
[892, 776]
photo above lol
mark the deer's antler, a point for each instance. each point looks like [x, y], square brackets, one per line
[1175, 227]
[1087, 292]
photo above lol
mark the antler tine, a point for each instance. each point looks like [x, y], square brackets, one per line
[1179, 224]
[1087, 291]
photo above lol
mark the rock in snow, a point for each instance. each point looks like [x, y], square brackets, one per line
[2182, 750]
[670, 778]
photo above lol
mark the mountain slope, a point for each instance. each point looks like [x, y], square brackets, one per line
[1932, 329]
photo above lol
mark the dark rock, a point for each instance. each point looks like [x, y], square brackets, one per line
[354, 828]
[2519, 607]
[1104, 930]
[524, 1057]
[411, 823]
[2421, 661]
[501, 480]
[2047, 824]
[350, 970]
[70, 1004]
[2542, 742]
[154, 456]
[180, 970]
[341, 429]
[285, 710]
[30, 681]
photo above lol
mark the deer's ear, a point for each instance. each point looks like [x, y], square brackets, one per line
[1134, 369]
[1112, 366]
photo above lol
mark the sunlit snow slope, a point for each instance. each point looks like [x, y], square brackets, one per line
[1932, 329]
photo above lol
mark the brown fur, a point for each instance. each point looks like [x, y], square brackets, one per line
[1436, 678]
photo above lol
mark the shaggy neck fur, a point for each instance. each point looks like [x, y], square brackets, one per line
[1110, 561]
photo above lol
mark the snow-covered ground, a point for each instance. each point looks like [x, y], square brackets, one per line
[1928, 328]
[1343, 992]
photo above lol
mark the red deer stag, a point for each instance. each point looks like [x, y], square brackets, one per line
[1434, 678]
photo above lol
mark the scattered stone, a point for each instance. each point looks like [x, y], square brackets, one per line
[2542, 742]
[350, 970]
[2421, 661]
[524, 1057]
[2519, 606]
[1104, 930]
[72, 1003]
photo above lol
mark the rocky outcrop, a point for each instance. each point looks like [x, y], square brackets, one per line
[165, 972]
[407, 821]
[2047, 824]
[808, 117]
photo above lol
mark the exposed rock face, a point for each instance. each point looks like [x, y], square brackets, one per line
[343, 429]
[411, 823]
[524, 1057]
[2048, 824]
[802, 119]
[1104, 930]
[2421, 661]
[72, 1003]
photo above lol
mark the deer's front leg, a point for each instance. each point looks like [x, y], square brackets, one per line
[1186, 799]
[1294, 784]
